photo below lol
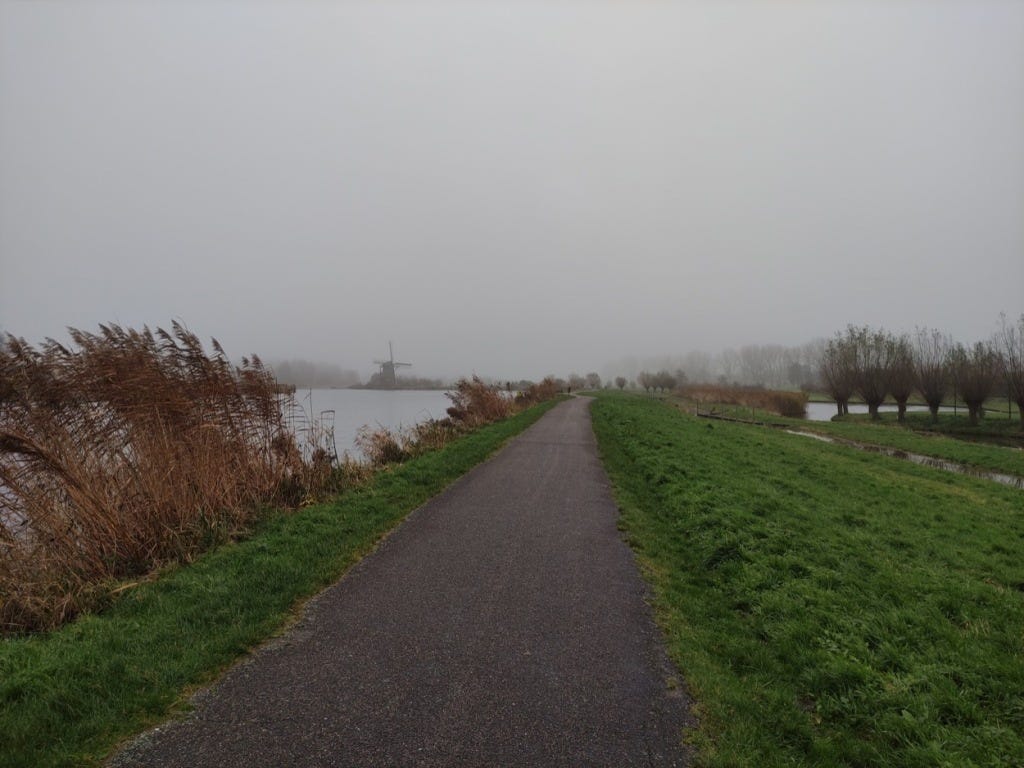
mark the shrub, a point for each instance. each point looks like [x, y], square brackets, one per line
[382, 446]
[538, 393]
[791, 404]
[475, 403]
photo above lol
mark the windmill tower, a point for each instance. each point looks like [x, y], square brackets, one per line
[388, 378]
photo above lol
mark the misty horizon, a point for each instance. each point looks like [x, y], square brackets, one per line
[512, 191]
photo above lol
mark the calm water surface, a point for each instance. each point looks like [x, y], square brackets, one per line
[354, 408]
[825, 411]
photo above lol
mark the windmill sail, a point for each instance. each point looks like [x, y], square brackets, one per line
[388, 379]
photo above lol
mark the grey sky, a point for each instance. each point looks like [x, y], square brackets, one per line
[510, 188]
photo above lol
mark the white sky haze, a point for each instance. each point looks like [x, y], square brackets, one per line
[510, 188]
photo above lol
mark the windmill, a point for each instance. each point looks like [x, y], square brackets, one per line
[388, 379]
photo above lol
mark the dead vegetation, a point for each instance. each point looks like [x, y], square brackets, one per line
[130, 449]
[474, 404]
[792, 404]
[134, 449]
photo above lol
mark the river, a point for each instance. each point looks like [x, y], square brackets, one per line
[354, 408]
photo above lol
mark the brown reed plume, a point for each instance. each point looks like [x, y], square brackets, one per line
[475, 403]
[130, 449]
[537, 393]
[792, 404]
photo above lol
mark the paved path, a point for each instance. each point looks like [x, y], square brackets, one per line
[502, 624]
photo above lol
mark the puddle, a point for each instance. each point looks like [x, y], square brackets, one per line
[925, 461]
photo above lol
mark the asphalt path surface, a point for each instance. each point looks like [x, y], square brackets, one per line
[503, 623]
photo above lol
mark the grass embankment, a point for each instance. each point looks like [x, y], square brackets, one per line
[996, 426]
[66, 698]
[916, 435]
[826, 606]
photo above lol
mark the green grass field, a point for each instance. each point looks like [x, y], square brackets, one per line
[826, 606]
[952, 439]
[67, 697]
[918, 435]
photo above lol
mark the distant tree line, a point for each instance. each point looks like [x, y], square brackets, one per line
[874, 364]
[575, 382]
[662, 380]
[377, 381]
[772, 366]
[871, 363]
[306, 374]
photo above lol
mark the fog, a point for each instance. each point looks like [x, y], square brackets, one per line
[510, 188]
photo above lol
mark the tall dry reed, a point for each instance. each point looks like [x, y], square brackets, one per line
[474, 403]
[537, 393]
[136, 448]
[129, 449]
[793, 404]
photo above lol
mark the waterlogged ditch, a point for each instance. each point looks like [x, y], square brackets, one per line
[927, 461]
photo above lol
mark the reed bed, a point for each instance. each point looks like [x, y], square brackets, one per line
[128, 450]
[792, 404]
[474, 404]
[134, 449]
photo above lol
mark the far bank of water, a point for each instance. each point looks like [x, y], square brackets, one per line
[355, 408]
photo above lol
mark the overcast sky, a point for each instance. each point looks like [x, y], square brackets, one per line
[510, 188]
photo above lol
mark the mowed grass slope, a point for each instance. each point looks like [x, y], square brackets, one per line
[67, 697]
[918, 435]
[826, 607]
[951, 440]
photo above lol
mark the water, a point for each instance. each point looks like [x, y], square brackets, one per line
[355, 408]
[825, 411]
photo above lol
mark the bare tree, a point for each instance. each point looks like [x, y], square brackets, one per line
[755, 366]
[620, 382]
[902, 378]
[593, 381]
[775, 360]
[664, 381]
[837, 371]
[645, 380]
[698, 366]
[873, 365]
[975, 372]
[932, 349]
[729, 363]
[1010, 343]
[805, 373]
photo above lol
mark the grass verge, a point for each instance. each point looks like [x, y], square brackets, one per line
[827, 607]
[917, 436]
[68, 697]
